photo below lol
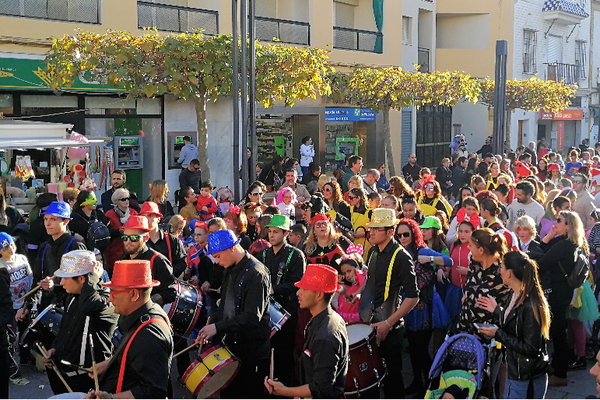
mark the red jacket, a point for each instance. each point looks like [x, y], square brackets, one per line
[210, 203]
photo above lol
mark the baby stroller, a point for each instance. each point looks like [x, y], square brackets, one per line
[460, 361]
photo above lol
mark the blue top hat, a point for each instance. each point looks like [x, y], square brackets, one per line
[5, 240]
[221, 240]
[59, 209]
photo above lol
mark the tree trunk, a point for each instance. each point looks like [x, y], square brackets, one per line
[387, 137]
[202, 138]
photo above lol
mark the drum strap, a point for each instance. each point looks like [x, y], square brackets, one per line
[152, 262]
[124, 358]
[287, 263]
[168, 240]
[46, 248]
[389, 274]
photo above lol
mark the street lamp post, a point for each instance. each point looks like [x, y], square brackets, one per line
[500, 97]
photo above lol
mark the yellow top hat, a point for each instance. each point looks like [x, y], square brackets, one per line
[382, 218]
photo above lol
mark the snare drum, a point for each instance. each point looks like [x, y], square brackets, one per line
[211, 372]
[44, 328]
[278, 316]
[185, 310]
[365, 369]
[72, 395]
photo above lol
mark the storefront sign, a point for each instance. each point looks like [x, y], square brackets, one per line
[349, 114]
[562, 116]
[21, 73]
[560, 135]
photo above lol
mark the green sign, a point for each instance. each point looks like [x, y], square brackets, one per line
[130, 141]
[21, 73]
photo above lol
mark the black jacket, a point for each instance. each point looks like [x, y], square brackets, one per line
[107, 204]
[558, 250]
[442, 175]
[526, 352]
[191, 179]
[534, 251]
[6, 306]
[162, 271]
[47, 263]
[458, 179]
[177, 254]
[86, 313]
[80, 223]
[148, 362]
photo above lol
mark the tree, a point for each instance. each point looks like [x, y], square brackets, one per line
[529, 95]
[384, 89]
[187, 65]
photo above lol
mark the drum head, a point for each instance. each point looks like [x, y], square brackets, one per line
[74, 395]
[358, 332]
[219, 381]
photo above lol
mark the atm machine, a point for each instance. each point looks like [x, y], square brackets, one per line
[129, 152]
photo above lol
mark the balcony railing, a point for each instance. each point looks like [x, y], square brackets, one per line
[292, 32]
[355, 39]
[85, 11]
[560, 72]
[177, 19]
[423, 59]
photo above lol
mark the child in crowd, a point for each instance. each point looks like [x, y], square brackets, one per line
[374, 200]
[459, 252]
[207, 205]
[177, 224]
[286, 201]
[253, 213]
[296, 235]
[21, 278]
[351, 279]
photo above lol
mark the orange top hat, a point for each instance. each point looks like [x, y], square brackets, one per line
[137, 222]
[150, 207]
[132, 274]
[319, 278]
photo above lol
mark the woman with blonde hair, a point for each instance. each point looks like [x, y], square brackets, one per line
[321, 245]
[560, 245]
[332, 194]
[399, 188]
[158, 194]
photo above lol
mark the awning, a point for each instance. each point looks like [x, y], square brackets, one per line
[18, 134]
[18, 144]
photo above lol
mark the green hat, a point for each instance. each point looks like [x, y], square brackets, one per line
[431, 222]
[280, 221]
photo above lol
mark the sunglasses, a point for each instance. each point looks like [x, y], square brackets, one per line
[353, 197]
[326, 189]
[256, 194]
[197, 168]
[124, 199]
[560, 220]
[132, 238]
[403, 234]
[113, 292]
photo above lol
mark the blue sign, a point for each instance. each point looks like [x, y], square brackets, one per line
[340, 114]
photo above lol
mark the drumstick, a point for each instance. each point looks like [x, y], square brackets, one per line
[54, 367]
[79, 367]
[272, 367]
[94, 370]
[35, 289]
[186, 349]
[202, 346]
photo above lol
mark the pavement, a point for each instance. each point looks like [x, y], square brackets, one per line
[581, 384]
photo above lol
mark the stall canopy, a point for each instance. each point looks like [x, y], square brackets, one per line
[39, 135]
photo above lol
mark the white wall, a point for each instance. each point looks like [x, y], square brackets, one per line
[422, 32]
[466, 31]
[473, 121]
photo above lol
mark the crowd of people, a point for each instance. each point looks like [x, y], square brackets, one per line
[288, 283]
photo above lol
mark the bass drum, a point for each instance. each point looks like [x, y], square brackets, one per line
[44, 328]
[278, 314]
[211, 372]
[185, 310]
[365, 369]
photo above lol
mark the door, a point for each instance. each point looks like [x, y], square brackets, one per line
[434, 134]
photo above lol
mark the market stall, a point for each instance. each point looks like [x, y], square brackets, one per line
[38, 157]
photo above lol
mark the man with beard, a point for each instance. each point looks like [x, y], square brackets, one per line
[242, 320]
[524, 205]
[135, 236]
[286, 264]
[118, 181]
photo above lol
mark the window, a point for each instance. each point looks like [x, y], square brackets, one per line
[164, 16]
[266, 8]
[529, 50]
[344, 15]
[580, 57]
[86, 11]
[406, 29]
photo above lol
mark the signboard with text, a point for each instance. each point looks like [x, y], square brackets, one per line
[340, 114]
[565, 115]
[560, 136]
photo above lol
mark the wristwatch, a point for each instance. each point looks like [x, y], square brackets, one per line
[431, 258]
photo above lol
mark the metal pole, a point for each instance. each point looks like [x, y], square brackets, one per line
[236, 99]
[244, 92]
[252, 120]
[500, 98]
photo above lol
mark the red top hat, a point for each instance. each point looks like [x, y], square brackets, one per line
[150, 207]
[132, 274]
[319, 278]
[137, 222]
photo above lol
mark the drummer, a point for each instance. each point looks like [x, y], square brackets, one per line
[325, 354]
[141, 363]
[390, 269]
[56, 218]
[163, 242]
[135, 236]
[286, 265]
[242, 318]
[87, 312]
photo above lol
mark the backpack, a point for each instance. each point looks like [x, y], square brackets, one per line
[580, 271]
[98, 236]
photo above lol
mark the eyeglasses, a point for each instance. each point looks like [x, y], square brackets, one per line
[124, 199]
[320, 224]
[113, 292]
[256, 194]
[132, 238]
[326, 189]
[403, 234]
[373, 230]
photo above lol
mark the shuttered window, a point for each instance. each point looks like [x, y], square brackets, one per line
[580, 59]
[344, 15]
[406, 29]
[554, 49]
[529, 51]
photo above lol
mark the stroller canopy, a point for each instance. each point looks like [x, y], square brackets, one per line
[462, 351]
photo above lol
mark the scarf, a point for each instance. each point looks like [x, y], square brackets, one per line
[123, 216]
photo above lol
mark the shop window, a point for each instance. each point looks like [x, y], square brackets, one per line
[6, 104]
[99, 105]
[47, 104]
[273, 137]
